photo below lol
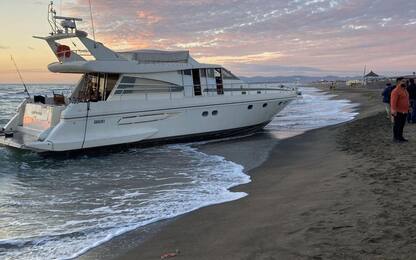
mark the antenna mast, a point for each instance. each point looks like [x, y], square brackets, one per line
[20, 76]
[51, 18]
[92, 23]
[365, 71]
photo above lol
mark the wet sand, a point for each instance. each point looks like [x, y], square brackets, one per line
[340, 192]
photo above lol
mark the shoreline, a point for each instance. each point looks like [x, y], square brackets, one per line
[165, 239]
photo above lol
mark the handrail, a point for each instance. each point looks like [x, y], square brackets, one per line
[152, 89]
[231, 88]
[253, 86]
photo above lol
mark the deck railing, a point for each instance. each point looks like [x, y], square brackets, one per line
[147, 91]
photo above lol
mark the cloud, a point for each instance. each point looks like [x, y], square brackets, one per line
[4, 47]
[274, 70]
[251, 58]
[325, 34]
[411, 22]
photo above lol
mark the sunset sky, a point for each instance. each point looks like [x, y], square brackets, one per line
[252, 38]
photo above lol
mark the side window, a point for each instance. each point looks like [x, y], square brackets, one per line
[187, 72]
[128, 80]
[217, 73]
[210, 73]
[218, 81]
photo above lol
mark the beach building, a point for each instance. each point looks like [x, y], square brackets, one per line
[371, 77]
[412, 76]
[353, 83]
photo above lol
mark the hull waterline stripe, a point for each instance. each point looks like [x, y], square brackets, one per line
[165, 140]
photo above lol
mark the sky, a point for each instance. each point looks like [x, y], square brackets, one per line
[251, 38]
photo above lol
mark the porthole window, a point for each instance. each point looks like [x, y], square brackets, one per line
[250, 107]
[205, 113]
[265, 105]
[243, 92]
[258, 92]
[215, 112]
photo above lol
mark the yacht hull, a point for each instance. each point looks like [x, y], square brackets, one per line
[217, 135]
[86, 126]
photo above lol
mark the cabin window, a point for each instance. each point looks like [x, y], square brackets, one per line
[128, 80]
[96, 87]
[111, 83]
[123, 86]
[218, 81]
[187, 72]
[217, 73]
[203, 73]
[197, 82]
[143, 86]
[210, 73]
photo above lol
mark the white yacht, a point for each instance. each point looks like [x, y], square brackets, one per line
[143, 96]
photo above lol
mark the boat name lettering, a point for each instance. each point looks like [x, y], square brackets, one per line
[101, 121]
[34, 113]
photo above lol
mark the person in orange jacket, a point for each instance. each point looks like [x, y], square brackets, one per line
[400, 104]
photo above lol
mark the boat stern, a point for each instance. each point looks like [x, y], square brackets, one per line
[30, 126]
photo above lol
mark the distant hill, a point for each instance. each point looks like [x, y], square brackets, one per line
[297, 79]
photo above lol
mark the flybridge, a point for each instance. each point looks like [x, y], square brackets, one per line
[67, 23]
[90, 56]
[62, 28]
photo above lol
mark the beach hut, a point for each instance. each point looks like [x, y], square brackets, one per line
[371, 77]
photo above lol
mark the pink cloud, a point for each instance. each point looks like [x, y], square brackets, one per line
[328, 34]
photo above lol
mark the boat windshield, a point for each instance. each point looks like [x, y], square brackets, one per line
[96, 87]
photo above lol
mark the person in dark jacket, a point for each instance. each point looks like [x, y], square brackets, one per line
[411, 88]
[386, 98]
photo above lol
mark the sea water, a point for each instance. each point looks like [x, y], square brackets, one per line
[59, 208]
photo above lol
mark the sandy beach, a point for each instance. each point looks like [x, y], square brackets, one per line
[340, 192]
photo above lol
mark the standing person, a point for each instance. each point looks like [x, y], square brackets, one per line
[399, 109]
[386, 98]
[411, 88]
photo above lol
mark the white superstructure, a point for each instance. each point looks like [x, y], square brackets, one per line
[142, 96]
